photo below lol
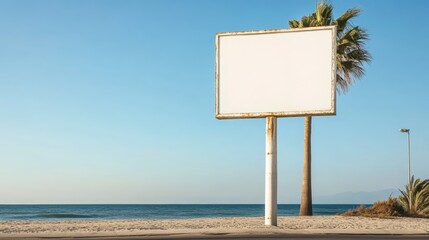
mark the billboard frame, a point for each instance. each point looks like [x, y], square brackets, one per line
[331, 111]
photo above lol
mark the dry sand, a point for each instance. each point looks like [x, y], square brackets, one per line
[210, 226]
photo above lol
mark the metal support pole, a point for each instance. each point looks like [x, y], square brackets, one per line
[407, 130]
[409, 158]
[271, 172]
[409, 171]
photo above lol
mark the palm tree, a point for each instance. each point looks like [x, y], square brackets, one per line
[415, 198]
[351, 56]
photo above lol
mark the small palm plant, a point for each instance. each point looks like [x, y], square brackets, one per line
[415, 197]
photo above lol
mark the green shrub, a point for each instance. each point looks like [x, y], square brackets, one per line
[415, 197]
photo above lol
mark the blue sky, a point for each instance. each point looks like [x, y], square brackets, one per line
[113, 102]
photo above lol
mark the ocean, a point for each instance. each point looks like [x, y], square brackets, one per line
[153, 211]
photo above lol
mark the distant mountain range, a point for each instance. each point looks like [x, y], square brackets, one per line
[356, 197]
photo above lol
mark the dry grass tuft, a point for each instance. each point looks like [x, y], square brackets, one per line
[382, 209]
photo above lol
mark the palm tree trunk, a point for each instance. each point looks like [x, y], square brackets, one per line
[306, 199]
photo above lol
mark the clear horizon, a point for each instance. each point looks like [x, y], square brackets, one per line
[113, 102]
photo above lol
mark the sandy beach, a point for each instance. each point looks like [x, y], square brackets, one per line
[211, 226]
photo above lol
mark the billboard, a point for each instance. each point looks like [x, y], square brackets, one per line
[283, 72]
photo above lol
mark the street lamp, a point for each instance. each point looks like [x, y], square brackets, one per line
[405, 130]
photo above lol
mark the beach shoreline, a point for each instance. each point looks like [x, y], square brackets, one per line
[212, 227]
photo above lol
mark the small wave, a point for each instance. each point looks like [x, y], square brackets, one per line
[13, 213]
[64, 215]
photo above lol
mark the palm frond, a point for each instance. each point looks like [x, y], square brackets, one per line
[293, 23]
[356, 35]
[344, 20]
[342, 85]
[323, 14]
[351, 57]
[306, 21]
